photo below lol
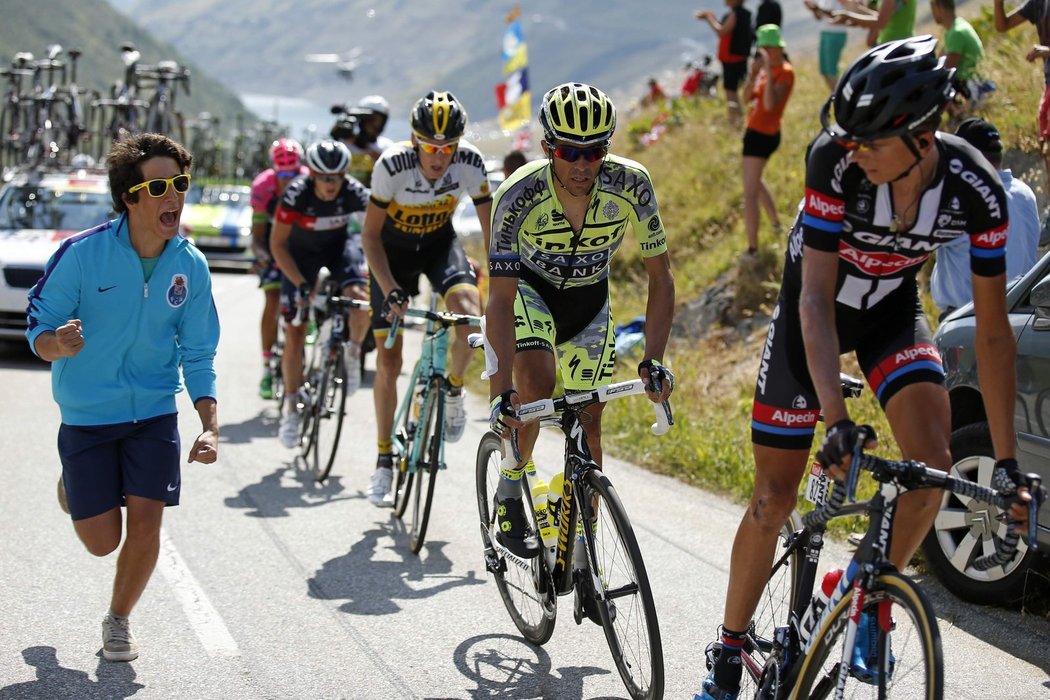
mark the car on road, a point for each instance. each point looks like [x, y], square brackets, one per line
[966, 529]
[217, 217]
[38, 210]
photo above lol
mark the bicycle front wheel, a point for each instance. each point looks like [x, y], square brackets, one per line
[905, 647]
[429, 434]
[628, 613]
[328, 426]
[524, 584]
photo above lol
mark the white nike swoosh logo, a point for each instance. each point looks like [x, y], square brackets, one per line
[172, 488]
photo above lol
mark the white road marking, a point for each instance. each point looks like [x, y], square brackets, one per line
[204, 619]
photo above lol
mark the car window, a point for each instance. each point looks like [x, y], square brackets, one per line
[38, 207]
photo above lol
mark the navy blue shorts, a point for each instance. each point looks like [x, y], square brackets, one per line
[103, 463]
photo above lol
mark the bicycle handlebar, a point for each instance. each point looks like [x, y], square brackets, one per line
[544, 408]
[916, 475]
[445, 318]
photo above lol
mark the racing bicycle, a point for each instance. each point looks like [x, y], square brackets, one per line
[614, 582]
[874, 632]
[419, 424]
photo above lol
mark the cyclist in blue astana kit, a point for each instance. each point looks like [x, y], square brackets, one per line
[408, 232]
[884, 189]
[311, 232]
[119, 310]
[556, 223]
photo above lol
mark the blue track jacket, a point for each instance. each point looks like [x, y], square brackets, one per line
[136, 334]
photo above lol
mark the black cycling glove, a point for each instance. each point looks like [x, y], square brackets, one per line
[838, 443]
[658, 374]
[396, 297]
[500, 407]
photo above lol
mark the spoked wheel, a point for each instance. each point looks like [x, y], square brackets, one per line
[8, 126]
[308, 398]
[277, 372]
[903, 658]
[429, 435]
[629, 613]
[328, 427]
[403, 477]
[524, 584]
[773, 609]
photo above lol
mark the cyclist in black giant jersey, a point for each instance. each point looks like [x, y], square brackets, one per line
[884, 189]
[310, 232]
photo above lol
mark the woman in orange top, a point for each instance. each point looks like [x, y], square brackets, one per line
[771, 83]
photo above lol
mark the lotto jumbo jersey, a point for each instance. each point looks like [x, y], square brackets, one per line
[530, 230]
[416, 209]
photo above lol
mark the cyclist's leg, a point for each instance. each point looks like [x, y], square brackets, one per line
[451, 275]
[534, 367]
[905, 372]
[783, 419]
[388, 368]
[355, 285]
[294, 342]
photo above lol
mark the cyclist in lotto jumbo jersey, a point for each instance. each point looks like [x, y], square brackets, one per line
[884, 189]
[556, 223]
[407, 233]
[310, 232]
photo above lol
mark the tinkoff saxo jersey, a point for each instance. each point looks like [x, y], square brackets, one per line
[529, 228]
[418, 211]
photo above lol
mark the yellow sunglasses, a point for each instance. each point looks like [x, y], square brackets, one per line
[159, 187]
[435, 148]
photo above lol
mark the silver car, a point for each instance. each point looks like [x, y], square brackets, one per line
[967, 529]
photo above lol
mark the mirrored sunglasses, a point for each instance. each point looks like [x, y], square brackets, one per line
[159, 186]
[435, 148]
[572, 154]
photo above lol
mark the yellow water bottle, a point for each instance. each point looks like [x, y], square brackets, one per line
[554, 492]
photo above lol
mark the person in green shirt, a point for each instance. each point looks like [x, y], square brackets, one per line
[962, 50]
[894, 19]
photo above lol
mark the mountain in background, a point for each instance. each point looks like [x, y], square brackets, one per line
[410, 46]
[97, 29]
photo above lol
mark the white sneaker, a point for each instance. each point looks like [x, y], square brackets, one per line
[118, 644]
[382, 478]
[352, 360]
[455, 415]
[288, 430]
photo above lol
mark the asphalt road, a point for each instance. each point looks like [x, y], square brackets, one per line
[270, 586]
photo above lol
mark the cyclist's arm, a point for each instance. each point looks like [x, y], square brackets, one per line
[372, 242]
[996, 350]
[817, 314]
[282, 255]
[260, 222]
[485, 217]
[499, 332]
[659, 308]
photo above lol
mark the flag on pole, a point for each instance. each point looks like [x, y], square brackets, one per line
[512, 95]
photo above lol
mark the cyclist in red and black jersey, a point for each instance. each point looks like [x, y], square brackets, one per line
[883, 190]
[311, 232]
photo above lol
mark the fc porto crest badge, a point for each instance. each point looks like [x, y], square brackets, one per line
[178, 291]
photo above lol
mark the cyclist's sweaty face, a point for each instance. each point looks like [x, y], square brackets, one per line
[883, 160]
[577, 176]
[327, 187]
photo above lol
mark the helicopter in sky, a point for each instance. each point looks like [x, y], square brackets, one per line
[345, 63]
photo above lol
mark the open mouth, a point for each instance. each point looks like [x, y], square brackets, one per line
[170, 217]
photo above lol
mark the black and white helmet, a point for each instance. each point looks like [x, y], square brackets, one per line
[328, 157]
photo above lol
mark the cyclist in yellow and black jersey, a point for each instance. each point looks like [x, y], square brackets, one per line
[556, 223]
[408, 232]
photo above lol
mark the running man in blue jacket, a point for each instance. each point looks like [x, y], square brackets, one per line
[120, 308]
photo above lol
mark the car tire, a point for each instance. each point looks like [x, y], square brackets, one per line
[969, 529]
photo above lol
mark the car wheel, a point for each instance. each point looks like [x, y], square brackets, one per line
[966, 529]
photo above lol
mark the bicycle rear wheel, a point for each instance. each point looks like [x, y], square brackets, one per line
[909, 662]
[430, 433]
[403, 475]
[628, 612]
[524, 584]
[308, 398]
[328, 426]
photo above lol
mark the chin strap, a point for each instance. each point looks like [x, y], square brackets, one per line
[910, 143]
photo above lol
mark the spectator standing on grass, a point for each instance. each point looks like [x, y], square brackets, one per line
[1038, 13]
[734, 45]
[962, 50]
[770, 86]
[892, 20]
[832, 40]
[768, 12]
[951, 284]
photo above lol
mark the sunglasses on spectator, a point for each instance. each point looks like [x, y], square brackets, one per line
[435, 148]
[328, 178]
[572, 154]
[159, 187]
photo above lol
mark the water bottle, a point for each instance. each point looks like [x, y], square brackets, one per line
[548, 534]
[819, 603]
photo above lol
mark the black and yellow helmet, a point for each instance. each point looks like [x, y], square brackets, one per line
[439, 117]
[578, 114]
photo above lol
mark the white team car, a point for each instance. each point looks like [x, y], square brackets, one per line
[38, 210]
